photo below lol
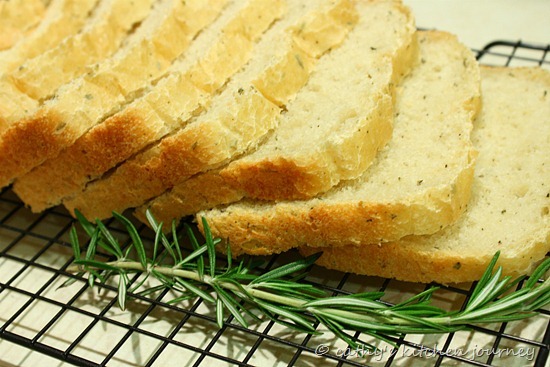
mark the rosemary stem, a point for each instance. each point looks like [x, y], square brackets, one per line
[379, 319]
[193, 275]
[258, 293]
[289, 303]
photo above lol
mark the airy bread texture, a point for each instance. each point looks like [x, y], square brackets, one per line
[88, 100]
[509, 209]
[331, 131]
[238, 118]
[38, 78]
[62, 19]
[215, 55]
[418, 184]
[18, 18]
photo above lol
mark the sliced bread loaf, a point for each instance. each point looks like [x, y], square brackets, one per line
[418, 184]
[88, 100]
[329, 132]
[18, 18]
[509, 209]
[62, 19]
[217, 53]
[38, 78]
[238, 118]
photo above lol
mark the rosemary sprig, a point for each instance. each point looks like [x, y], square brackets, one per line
[279, 296]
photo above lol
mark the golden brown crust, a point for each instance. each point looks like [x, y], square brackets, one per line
[409, 260]
[202, 191]
[397, 261]
[283, 227]
[272, 180]
[33, 140]
[44, 187]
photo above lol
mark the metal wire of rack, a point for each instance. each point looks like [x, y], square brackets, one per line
[43, 325]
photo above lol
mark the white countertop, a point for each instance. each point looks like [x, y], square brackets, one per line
[478, 22]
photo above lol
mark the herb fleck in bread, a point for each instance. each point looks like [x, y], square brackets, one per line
[238, 118]
[86, 101]
[509, 209]
[218, 52]
[418, 184]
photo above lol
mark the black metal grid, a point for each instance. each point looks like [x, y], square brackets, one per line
[40, 324]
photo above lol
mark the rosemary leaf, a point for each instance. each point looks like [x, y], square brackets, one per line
[176, 244]
[88, 227]
[122, 288]
[287, 269]
[134, 235]
[159, 235]
[230, 304]
[195, 244]
[294, 316]
[185, 297]
[337, 330]
[196, 290]
[92, 246]
[149, 291]
[420, 297]
[193, 255]
[219, 312]
[111, 245]
[210, 247]
[70, 281]
[539, 273]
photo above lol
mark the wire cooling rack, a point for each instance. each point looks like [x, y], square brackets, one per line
[42, 324]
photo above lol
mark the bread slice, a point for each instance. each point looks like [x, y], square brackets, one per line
[18, 18]
[418, 184]
[330, 132]
[217, 53]
[509, 209]
[86, 101]
[38, 78]
[238, 118]
[61, 19]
